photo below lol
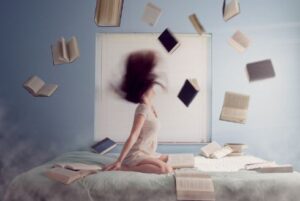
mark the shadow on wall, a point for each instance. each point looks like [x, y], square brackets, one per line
[17, 151]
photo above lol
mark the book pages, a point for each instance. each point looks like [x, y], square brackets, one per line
[108, 12]
[193, 185]
[66, 176]
[235, 107]
[239, 41]
[236, 147]
[73, 50]
[63, 51]
[196, 23]
[78, 166]
[47, 90]
[34, 84]
[210, 149]
[231, 9]
[254, 166]
[181, 160]
[276, 169]
[57, 53]
[221, 152]
[151, 14]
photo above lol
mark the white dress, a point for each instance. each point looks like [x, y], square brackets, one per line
[146, 144]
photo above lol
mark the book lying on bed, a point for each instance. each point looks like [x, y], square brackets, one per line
[230, 9]
[224, 151]
[65, 52]
[104, 146]
[269, 167]
[237, 148]
[235, 107]
[151, 14]
[194, 185]
[181, 160]
[78, 166]
[209, 149]
[37, 87]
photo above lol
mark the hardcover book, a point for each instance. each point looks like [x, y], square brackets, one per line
[235, 107]
[188, 91]
[168, 40]
[230, 9]
[151, 14]
[196, 23]
[108, 12]
[104, 146]
[37, 87]
[239, 41]
[65, 52]
[260, 70]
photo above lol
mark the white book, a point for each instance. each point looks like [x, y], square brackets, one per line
[108, 12]
[237, 147]
[221, 152]
[235, 107]
[78, 166]
[151, 14]
[37, 87]
[65, 52]
[254, 166]
[66, 176]
[194, 185]
[230, 9]
[209, 149]
[181, 160]
[196, 23]
[239, 41]
[276, 169]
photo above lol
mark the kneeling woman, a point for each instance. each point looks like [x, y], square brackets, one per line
[139, 151]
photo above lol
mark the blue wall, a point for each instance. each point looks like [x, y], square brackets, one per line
[33, 130]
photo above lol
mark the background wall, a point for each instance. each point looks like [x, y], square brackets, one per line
[33, 130]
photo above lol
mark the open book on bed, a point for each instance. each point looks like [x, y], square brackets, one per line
[181, 160]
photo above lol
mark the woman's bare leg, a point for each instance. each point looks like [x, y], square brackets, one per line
[150, 166]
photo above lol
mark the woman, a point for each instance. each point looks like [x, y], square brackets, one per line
[139, 151]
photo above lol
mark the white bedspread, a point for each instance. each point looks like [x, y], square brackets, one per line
[226, 164]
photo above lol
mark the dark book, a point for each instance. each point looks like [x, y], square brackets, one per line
[260, 70]
[168, 40]
[188, 91]
[104, 146]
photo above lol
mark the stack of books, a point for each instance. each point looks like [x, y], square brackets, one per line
[237, 149]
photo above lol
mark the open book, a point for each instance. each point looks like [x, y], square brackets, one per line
[196, 23]
[65, 52]
[224, 151]
[181, 160]
[239, 41]
[68, 172]
[235, 107]
[194, 185]
[230, 9]
[209, 149]
[108, 12]
[269, 167]
[37, 87]
[151, 14]
[188, 91]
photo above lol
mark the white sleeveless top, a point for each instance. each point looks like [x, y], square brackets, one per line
[146, 144]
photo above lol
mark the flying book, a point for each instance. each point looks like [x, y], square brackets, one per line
[65, 52]
[181, 160]
[260, 70]
[108, 12]
[104, 146]
[239, 41]
[168, 40]
[37, 87]
[230, 9]
[188, 91]
[196, 23]
[194, 185]
[151, 14]
[209, 149]
[235, 107]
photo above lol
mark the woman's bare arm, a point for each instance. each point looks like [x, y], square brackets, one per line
[134, 134]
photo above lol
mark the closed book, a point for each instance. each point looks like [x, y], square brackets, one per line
[168, 40]
[239, 41]
[237, 147]
[196, 23]
[260, 70]
[188, 91]
[230, 9]
[151, 14]
[108, 12]
[104, 146]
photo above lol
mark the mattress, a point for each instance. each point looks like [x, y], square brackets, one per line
[133, 186]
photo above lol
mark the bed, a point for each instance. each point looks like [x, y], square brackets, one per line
[229, 184]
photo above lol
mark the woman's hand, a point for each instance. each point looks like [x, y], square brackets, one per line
[114, 166]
